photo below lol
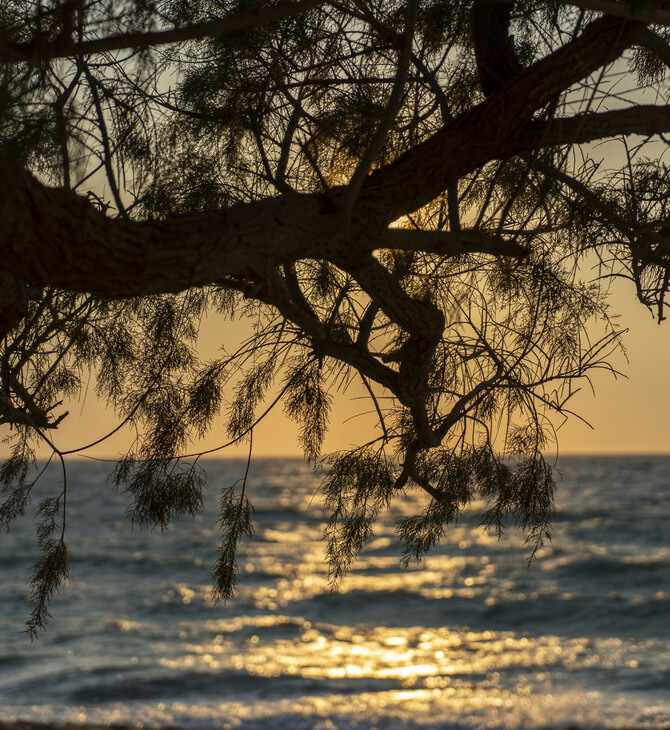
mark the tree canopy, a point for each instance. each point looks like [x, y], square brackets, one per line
[411, 195]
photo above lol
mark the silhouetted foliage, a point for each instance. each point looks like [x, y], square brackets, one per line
[420, 210]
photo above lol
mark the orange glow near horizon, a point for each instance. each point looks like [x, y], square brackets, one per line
[628, 414]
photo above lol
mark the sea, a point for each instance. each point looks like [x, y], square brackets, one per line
[473, 637]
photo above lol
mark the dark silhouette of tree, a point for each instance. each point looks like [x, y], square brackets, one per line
[400, 193]
[494, 48]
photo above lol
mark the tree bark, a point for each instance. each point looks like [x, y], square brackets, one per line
[44, 50]
[53, 237]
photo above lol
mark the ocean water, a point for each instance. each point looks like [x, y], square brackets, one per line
[471, 638]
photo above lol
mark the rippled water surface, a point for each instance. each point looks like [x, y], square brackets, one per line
[471, 638]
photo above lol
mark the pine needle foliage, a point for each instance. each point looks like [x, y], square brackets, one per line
[469, 321]
[307, 402]
[15, 487]
[52, 567]
[250, 391]
[460, 478]
[161, 491]
[359, 484]
[235, 522]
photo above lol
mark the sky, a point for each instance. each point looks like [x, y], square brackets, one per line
[627, 414]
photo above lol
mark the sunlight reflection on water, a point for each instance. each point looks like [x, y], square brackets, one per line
[410, 655]
[472, 638]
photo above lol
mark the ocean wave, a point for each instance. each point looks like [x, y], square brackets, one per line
[392, 710]
[471, 638]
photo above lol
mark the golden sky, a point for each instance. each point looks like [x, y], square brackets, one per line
[627, 415]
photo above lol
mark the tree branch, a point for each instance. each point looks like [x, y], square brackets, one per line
[54, 237]
[646, 120]
[273, 291]
[491, 129]
[390, 114]
[451, 243]
[636, 11]
[656, 45]
[51, 236]
[259, 14]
